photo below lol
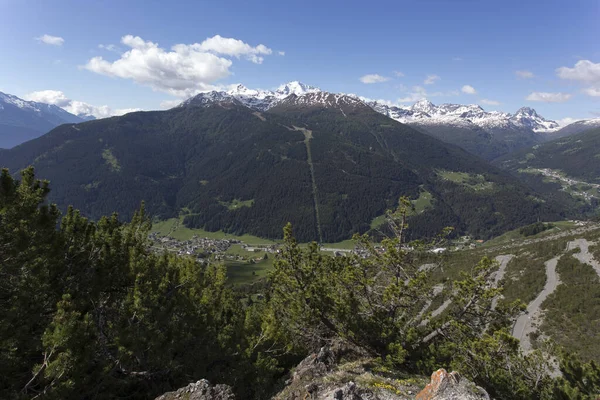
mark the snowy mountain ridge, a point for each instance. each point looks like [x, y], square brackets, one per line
[423, 112]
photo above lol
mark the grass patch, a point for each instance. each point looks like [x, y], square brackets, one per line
[111, 160]
[240, 272]
[475, 182]
[420, 204]
[237, 203]
[174, 227]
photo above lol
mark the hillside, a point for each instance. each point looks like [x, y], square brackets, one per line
[575, 128]
[22, 120]
[563, 168]
[327, 163]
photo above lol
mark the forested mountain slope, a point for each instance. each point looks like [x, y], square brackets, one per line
[327, 163]
[565, 168]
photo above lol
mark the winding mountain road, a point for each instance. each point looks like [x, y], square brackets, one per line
[584, 255]
[498, 275]
[524, 324]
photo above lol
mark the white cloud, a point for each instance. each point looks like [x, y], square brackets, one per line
[109, 47]
[549, 97]
[55, 97]
[566, 121]
[430, 80]
[524, 74]
[468, 89]
[489, 102]
[373, 78]
[281, 53]
[234, 48]
[123, 111]
[592, 91]
[184, 71]
[583, 71]
[79, 108]
[398, 74]
[165, 105]
[418, 93]
[51, 40]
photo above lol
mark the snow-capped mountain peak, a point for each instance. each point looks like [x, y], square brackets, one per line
[423, 112]
[424, 106]
[528, 118]
[297, 88]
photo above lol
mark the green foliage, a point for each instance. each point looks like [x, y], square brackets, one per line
[573, 309]
[580, 381]
[88, 311]
[535, 228]
[378, 302]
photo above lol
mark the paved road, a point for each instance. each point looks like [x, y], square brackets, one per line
[524, 325]
[584, 256]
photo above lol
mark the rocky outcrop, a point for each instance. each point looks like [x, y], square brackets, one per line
[335, 373]
[341, 373]
[201, 390]
[450, 386]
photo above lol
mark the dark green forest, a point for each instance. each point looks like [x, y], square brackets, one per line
[202, 159]
[87, 311]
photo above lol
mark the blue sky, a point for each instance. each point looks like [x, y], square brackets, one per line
[330, 44]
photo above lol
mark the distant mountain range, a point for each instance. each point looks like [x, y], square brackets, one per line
[328, 163]
[487, 134]
[22, 120]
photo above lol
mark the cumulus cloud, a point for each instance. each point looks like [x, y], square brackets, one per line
[592, 91]
[419, 93]
[79, 108]
[55, 97]
[281, 53]
[430, 80]
[489, 102]
[234, 48]
[109, 47]
[398, 74]
[585, 72]
[566, 121]
[523, 74]
[468, 89]
[166, 104]
[549, 97]
[51, 40]
[185, 70]
[373, 78]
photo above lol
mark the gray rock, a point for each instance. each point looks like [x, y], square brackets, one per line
[201, 390]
